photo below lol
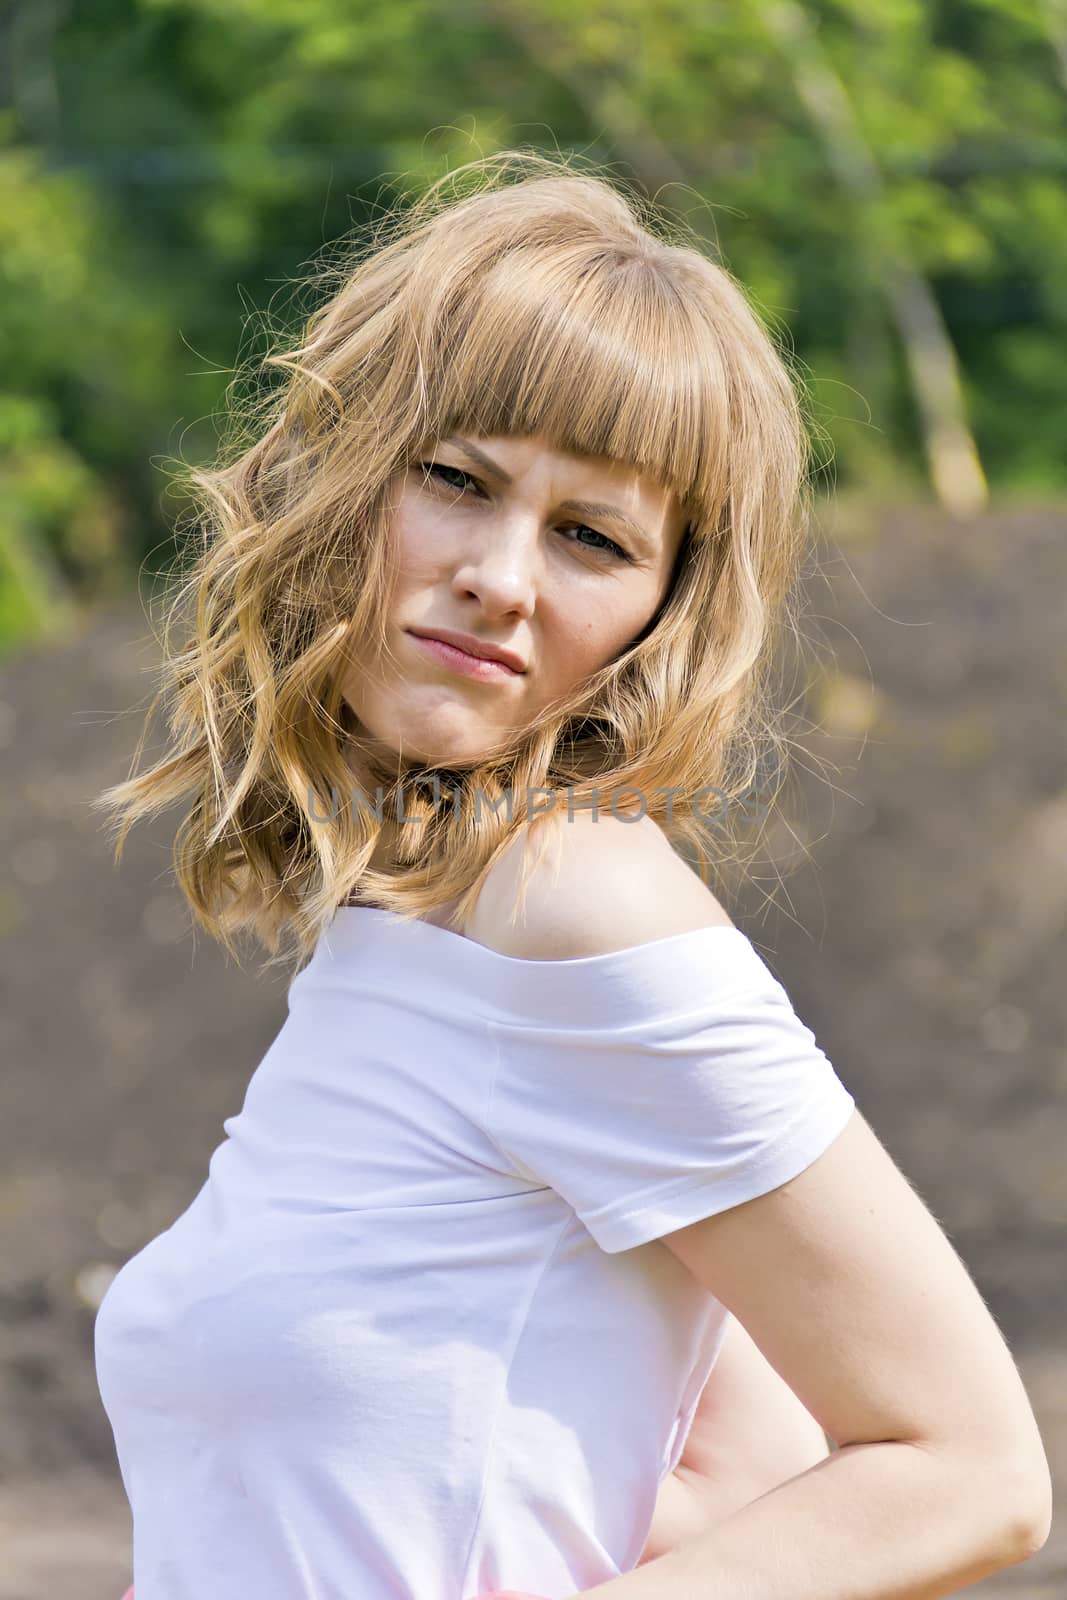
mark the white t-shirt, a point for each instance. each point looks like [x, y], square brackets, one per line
[415, 1337]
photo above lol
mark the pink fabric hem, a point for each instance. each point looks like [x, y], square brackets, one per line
[496, 1594]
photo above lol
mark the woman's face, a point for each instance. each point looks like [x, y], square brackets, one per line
[561, 560]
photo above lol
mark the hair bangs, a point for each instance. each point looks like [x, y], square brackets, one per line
[592, 351]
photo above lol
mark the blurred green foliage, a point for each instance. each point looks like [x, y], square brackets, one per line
[169, 167]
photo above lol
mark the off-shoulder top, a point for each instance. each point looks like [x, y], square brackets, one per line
[416, 1336]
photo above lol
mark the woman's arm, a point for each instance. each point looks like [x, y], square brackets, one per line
[749, 1433]
[883, 1521]
[858, 1299]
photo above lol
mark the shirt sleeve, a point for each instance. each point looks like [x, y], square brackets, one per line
[668, 1099]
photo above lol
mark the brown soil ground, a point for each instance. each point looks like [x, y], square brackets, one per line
[922, 937]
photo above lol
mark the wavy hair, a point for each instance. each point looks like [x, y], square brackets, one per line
[517, 296]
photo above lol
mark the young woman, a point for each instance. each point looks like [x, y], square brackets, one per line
[548, 1249]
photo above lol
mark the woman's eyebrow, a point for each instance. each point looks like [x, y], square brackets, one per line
[485, 462]
[597, 509]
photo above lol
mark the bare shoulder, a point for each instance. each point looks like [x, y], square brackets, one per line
[596, 884]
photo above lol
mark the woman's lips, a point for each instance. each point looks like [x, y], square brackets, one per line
[447, 655]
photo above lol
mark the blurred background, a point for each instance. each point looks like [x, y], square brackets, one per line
[888, 180]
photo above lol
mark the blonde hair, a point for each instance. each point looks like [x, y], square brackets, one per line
[543, 302]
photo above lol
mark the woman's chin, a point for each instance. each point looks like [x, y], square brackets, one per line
[434, 739]
[418, 756]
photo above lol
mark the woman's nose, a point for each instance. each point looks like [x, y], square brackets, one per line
[501, 568]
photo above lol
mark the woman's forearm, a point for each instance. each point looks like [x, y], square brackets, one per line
[891, 1521]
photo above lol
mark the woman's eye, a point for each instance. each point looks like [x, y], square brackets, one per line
[430, 467]
[609, 547]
